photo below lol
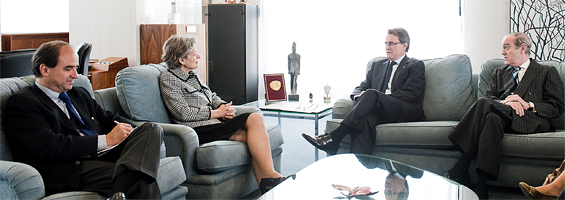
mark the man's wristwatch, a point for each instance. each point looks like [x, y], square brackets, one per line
[532, 107]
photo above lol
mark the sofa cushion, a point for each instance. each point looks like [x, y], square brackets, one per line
[222, 155]
[427, 135]
[139, 94]
[535, 146]
[485, 77]
[170, 174]
[449, 88]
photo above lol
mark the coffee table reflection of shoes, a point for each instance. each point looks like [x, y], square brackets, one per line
[117, 196]
[323, 142]
[267, 184]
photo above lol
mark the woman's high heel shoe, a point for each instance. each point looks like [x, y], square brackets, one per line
[532, 193]
[267, 184]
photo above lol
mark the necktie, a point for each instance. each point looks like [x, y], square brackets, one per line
[515, 74]
[75, 117]
[388, 75]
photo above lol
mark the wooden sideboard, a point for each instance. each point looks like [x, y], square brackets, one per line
[12, 42]
[153, 37]
[104, 76]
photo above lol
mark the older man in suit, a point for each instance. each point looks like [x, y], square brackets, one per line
[522, 98]
[393, 91]
[73, 143]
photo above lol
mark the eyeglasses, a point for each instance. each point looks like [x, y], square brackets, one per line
[391, 43]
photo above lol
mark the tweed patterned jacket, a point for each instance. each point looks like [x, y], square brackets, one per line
[188, 99]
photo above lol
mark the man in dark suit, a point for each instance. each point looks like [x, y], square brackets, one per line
[393, 91]
[73, 143]
[523, 96]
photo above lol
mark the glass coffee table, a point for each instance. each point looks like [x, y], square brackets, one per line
[390, 179]
[294, 109]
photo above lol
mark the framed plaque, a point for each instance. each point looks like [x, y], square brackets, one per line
[274, 87]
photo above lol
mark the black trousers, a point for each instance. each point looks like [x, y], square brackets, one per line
[372, 108]
[138, 153]
[480, 133]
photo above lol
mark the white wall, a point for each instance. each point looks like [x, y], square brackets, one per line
[34, 16]
[485, 22]
[112, 27]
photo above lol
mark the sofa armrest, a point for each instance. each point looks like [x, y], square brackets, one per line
[23, 181]
[107, 98]
[181, 141]
[341, 108]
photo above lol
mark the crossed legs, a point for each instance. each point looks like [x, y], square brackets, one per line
[255, 136]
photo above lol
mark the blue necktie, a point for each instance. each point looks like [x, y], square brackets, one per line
[515, 73]
[75, 117]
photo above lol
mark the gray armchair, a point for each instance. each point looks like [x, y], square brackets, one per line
[21, 181]
[215, 170]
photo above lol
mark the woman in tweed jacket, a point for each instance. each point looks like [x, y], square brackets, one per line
[191, 102]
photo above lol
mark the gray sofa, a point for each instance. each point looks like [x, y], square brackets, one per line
[21, 181]
[451, 89]
[215, 170]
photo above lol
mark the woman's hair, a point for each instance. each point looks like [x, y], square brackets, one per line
[177, 47]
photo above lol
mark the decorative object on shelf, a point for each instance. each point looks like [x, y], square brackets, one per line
[543, 21]
[294, 71]
[327, 89]
[274, 87]
[311, 97]
[174, 16]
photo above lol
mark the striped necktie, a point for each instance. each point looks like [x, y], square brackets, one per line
[515, 74]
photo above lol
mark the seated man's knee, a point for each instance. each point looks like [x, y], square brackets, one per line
[151, 128]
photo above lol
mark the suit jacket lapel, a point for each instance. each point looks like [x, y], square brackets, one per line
[379, 74]
[83, 112]
[59, 114]
[531, 73]
[399, 70]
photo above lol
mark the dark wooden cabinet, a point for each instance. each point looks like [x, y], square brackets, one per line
[233, 51]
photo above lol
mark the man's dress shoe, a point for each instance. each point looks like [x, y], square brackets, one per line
[323, 142]
[463, 180]
[532, 193]
[118, 196]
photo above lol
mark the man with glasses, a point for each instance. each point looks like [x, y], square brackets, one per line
[393, 91]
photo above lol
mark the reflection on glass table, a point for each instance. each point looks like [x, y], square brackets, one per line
[296, 110]
[390, 180]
